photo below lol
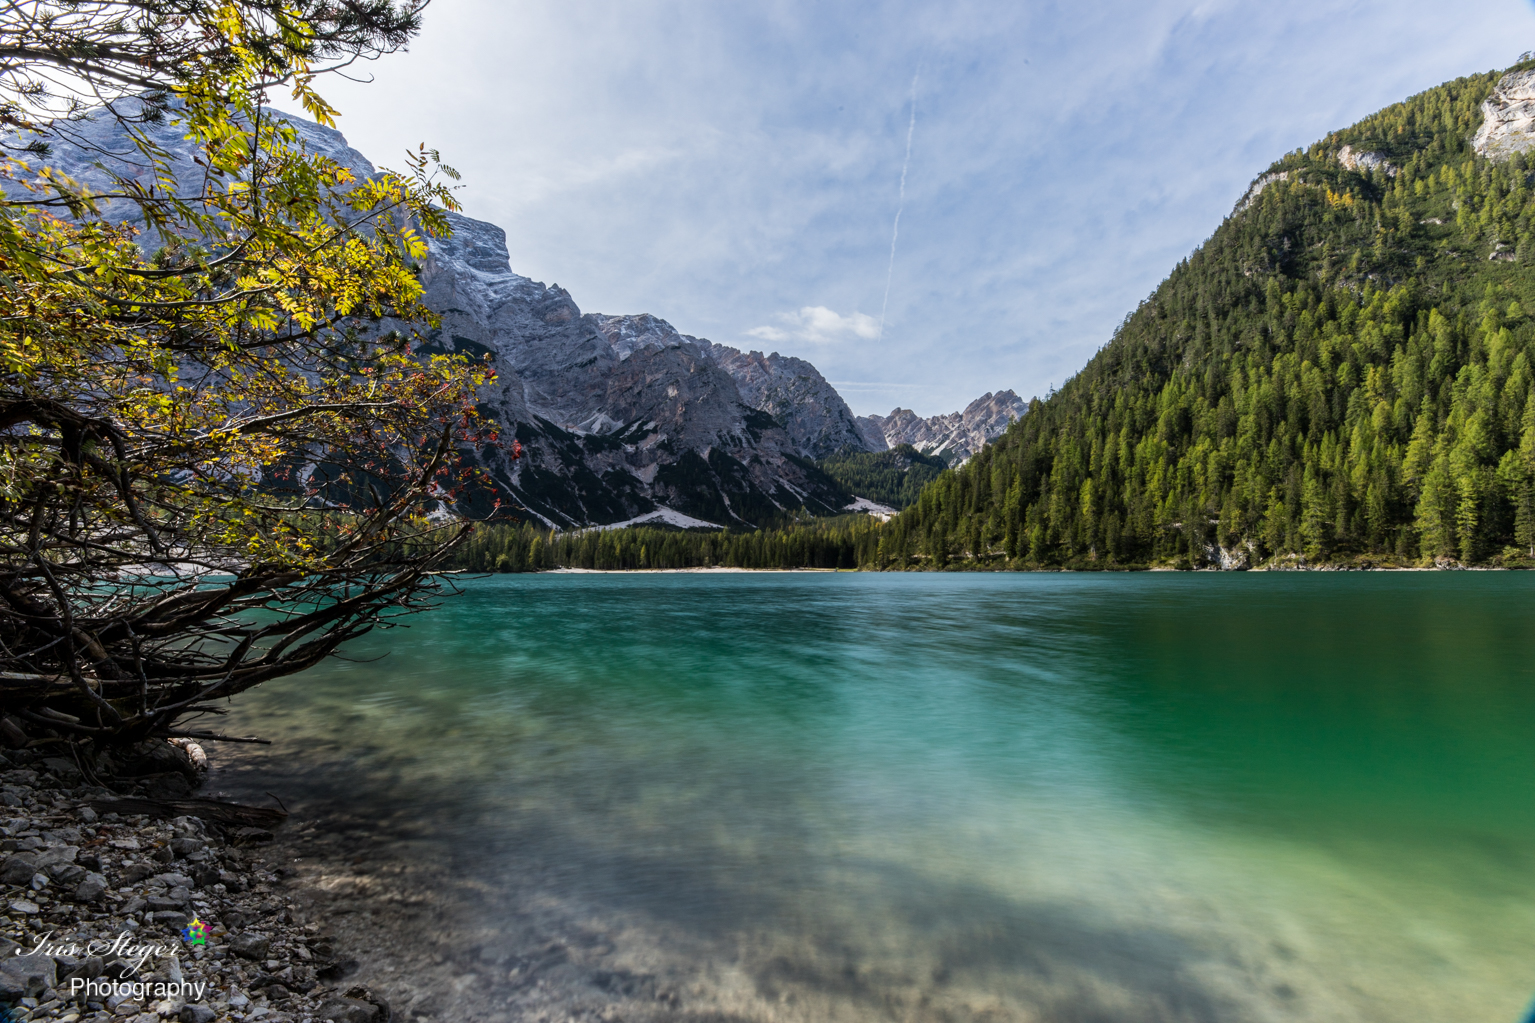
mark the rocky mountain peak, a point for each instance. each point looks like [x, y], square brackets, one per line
[630, 334]
[957, 435]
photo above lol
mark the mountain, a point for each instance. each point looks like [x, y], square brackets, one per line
[1341, 374]
[956, 436]
[794, 392]
[621, 418]
[820, 422]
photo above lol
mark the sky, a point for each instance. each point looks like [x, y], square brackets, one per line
[738, 168]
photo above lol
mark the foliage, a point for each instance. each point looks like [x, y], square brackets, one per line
[1343, 371]
[221, 411]
[845, 541]
[892, 478]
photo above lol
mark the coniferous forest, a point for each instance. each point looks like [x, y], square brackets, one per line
[894, 478]
[846, 541]
[1342, 372]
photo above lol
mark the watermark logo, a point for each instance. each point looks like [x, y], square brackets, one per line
[195, 933]
[124, 947]
[134, 953]
[81, 988]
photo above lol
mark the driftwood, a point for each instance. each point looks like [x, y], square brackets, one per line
[213, 811]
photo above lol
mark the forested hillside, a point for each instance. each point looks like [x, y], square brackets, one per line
[1342, 372]
[894, 478]
[844, 541]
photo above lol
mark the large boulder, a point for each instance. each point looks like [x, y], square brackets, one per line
[23, 976]
[18, 868]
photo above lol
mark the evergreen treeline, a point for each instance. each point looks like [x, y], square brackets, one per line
[843, 542]
[1342, 371]
[893, 478]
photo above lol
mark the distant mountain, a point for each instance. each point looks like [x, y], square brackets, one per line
[955, 436]
[619, 416]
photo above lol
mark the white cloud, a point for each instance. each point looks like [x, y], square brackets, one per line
[818, 325]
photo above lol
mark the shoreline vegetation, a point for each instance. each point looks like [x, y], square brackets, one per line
[858, 543]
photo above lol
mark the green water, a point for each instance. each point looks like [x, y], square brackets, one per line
[1030, 797]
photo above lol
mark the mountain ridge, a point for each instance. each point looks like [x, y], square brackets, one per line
[956, 435]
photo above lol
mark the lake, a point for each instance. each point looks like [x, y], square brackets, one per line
[968, 797]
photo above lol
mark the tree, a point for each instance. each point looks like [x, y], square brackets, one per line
[220, 434]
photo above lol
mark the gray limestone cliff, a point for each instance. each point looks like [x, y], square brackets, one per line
[618, 415]
[794, 392]
[1365, 161]
[1508, 117]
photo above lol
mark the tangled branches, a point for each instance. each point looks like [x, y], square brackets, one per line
[222, 458]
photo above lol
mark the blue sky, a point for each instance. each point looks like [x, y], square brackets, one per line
[735, 167]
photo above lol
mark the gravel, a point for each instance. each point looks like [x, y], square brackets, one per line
[71, 877]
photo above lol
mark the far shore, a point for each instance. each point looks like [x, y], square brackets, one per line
[631, 571]
[1324, 567]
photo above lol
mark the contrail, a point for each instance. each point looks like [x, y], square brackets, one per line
[895, 230]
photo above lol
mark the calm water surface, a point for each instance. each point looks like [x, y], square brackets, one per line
[1031, 797]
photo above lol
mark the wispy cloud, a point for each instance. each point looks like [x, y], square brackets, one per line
[818, 325]
[900, 206]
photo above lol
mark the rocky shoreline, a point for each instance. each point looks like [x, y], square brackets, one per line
[147, 917]
[338, 915]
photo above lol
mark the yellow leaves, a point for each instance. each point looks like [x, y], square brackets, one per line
[415, 245]
[1340, 200]
[314, 104]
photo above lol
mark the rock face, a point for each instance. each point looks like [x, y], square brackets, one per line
[97, 142]
[1364, 161]
[1257, 187]
[618, 415]
[957, 435]
[1508, 117]
[794, 392]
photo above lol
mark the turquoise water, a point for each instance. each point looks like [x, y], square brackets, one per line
[1030, 797]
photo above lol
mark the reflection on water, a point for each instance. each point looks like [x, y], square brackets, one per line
[973, 797]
